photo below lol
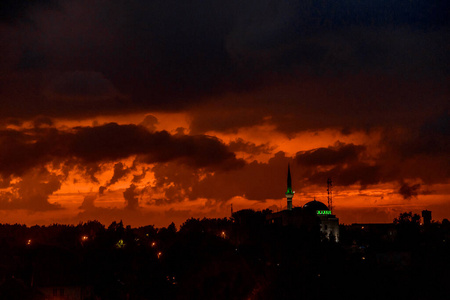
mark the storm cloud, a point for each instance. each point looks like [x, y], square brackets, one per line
[165, 55]
[337, 154]
[29, 153]
[26, 149]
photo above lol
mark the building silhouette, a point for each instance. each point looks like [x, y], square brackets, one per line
[311, 214]
[426, 215]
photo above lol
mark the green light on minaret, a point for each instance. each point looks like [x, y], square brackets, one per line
[289, 192]
[289, 182]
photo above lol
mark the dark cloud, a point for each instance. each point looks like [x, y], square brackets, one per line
[255, 181]
[20, 152]
[402, 154]
[430, 137]
[32, 192]
[175, 182]
[434, 136]
[338, 154]
[80, 85]
[89, 146]
[27, 151]
[344, 163]
[198, 151]
[112, 141]
[239, 145]
[201, 166]
[131, 198]
[101, 190]
[419, 151]
[356, 102]
[89, 202]
[408, 191]
[345, 175]
[227, 116]
[149, 122]
[164, 55]
[139, 177]
[120, 170]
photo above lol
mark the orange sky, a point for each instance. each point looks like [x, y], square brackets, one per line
[379, 202]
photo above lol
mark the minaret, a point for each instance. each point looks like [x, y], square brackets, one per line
[289, 192]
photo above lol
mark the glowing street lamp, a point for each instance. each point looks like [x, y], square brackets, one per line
[120, 244]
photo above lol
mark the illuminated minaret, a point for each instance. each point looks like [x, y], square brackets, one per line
[289, 192]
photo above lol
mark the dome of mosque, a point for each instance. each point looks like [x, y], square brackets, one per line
[315, 206]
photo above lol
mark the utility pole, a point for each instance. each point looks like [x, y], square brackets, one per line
[330, 194]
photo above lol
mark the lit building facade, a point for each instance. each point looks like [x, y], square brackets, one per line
[310, 214]
[329, 224]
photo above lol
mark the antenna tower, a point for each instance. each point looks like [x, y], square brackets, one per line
[330, 194]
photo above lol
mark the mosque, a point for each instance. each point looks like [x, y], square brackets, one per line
[306, 216]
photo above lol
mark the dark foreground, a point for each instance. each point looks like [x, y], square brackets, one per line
[243, 258]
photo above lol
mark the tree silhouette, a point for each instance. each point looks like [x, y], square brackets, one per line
[407, 218]
[408, 230]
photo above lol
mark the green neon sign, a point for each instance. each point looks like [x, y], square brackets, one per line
[323, 212]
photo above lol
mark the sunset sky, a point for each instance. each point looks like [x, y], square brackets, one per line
[157, 111]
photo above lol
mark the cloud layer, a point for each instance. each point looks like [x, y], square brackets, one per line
[379, 69]
[350, 58]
